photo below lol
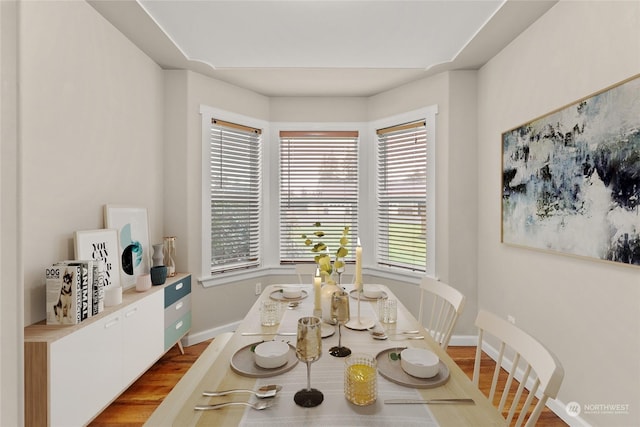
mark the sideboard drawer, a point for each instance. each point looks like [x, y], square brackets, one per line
[176, 331]
[177, 310]
[175, 291]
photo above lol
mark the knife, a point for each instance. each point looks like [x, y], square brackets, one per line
[432, 401]
[257, 334]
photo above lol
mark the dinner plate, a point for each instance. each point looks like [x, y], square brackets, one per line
[354, 294]
[279, 296]
[391, 370]
[243, 363]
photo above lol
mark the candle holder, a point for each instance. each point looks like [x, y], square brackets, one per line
[360, 323]
[170, 255]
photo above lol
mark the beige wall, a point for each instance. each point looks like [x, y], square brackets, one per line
[11, 299]
[91, 133]
[586, 311]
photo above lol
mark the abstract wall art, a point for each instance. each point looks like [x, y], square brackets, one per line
[133, 239]
[571, 179]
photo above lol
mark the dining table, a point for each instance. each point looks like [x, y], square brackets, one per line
[233, 367]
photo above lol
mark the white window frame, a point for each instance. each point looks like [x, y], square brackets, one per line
[207, 113]
[429, 115]
[362, 130]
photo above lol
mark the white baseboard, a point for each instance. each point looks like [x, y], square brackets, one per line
[463, 341]
[199, 337]
[555, 405]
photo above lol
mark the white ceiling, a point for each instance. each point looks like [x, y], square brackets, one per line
[321, 48]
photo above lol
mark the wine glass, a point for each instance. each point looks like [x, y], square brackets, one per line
[339, 264]
[308, 350]
[340, 315]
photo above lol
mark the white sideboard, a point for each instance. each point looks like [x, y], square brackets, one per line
[73, 372]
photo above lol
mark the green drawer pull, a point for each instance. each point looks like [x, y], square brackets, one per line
[179, 325]
[179, 286]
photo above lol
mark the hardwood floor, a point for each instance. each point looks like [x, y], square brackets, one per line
[136, 404]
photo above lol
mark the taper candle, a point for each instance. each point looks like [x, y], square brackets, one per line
[316, 288]
[358, 279]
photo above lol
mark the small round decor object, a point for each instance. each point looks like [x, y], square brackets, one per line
[419, 362]
[290, 292]
[143, 283]
[158, 275]
[372, 291]
[271, 354]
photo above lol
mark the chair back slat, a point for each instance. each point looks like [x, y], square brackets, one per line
[542, 373]
[305, 273]
[445, 309]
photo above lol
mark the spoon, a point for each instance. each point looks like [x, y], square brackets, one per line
[262, 392]
[379, 335]
[258, 406]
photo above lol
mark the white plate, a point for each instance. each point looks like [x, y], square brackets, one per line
[243, 363]
[391, 370]
[354, 295]
[279, 296]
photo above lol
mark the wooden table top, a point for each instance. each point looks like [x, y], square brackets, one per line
[213, 372]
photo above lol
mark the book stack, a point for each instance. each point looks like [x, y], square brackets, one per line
[74, 291]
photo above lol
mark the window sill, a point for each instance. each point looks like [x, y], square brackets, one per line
[260, 273]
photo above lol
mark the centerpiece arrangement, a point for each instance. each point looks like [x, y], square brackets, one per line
[327, 269]
[323, 255]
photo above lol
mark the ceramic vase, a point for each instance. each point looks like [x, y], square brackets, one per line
[158, 256]
[326, 292]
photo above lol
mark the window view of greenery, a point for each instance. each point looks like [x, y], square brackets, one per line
[235, 177]
[401, 196]
[318, 183]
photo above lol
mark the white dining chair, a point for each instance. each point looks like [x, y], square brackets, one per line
[537, 366]
[305, 273]
[446, 307]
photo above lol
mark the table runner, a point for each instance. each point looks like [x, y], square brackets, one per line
[327, 375]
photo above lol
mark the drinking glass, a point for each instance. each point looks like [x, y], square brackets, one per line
[308, 350]
[340, 315]
[360, 379]
[270, 313]
[387, 310]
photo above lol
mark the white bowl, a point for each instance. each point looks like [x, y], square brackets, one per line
[372, 291]
[419, 362]
[291, 292]
[271, 354]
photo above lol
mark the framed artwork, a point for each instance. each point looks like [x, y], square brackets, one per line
[571, 179]
[132, 227]
[100, 245]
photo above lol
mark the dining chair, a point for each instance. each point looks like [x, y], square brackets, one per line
[540, 368]
[446, 307]
[305, 273]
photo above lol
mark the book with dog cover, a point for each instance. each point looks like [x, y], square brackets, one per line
[87, 286]
[63, 294]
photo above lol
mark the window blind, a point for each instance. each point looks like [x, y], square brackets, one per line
[318, 183]
[401, 196]
[235, 188]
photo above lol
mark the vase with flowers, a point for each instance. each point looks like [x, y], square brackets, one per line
[329, 268]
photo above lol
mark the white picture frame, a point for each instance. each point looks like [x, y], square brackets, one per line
[132, 226]
[100, 245]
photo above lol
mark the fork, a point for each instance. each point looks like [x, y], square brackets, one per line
[258, 406]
